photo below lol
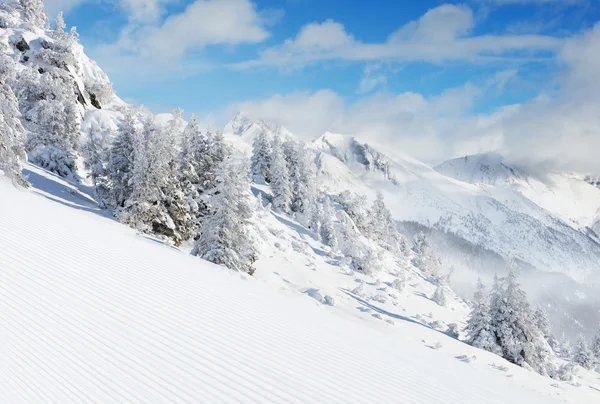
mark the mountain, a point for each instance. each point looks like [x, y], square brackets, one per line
[242, 130]
[569, 197]
[495, 217]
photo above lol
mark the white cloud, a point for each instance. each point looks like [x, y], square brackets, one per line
[144, 10]
[53, 7]
[372, 78]
[152, 47]
[441, 34]
[137, 10]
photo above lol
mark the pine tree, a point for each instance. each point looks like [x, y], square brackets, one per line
[173, 200]
[596, 346]
[426, 259]
[211, 150]
[439, 296]
[261, 151]
[157, 204]
[224, 233]
[583, 355]
[51, 116]
[12, 133]
[60, 22]
[192, 150]
[514, 327]
[121, 160]
[95, 152]
[33, 11]
[566, 351]
[479, 332]
[280, 181]
[382, 226]
[139, 210]
[355, 206]
[326, 227]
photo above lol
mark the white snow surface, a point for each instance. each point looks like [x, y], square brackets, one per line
[92, 312]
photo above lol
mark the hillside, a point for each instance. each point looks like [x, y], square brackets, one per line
[92, 312]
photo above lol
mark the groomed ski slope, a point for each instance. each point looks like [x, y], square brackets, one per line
[90, 312]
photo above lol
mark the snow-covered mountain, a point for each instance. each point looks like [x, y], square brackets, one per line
[487, 211]
[568, 196]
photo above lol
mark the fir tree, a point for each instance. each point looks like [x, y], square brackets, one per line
[514, 327]
[382, 226]
[52, 118]
[280, 181]
[224, 233]
[479, 328]
[12, 133]
[261, 151]
[439, 296]
[95, 152]
[192, 150]
[121, 160]
[33, 11]
[583, 355]
[355, 206]
[596, 345]
[326, 227]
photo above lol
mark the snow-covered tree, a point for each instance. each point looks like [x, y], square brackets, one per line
[355, 206]
[352, 244]
[439, 296]
[211, 151]
[279, 176]
[12, 133]
[565, 349]
[33, 11]
[191, 152]
[514, 327]
[121, 160]
[583, 355]
[157, 205]
[479, 327]
[261, 152]
[420, 243]
[302, 182]
[382, 227]
[426, 259]
[95, 151]
[60, 22]
[596, 345]
[139, 210]
[50, 114]
[326, 227]
[224, 233]
[173, 200]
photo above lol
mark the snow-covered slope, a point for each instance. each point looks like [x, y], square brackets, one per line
[92, 312]
[569, 197]
[494, 217]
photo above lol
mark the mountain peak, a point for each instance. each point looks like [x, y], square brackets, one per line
[486, 168]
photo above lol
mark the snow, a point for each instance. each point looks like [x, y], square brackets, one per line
[524, 225]
[92, 312]
[567, 196]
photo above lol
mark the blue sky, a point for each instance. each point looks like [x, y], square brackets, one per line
[414, 70]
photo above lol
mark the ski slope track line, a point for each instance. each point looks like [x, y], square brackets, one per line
[92, 313]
